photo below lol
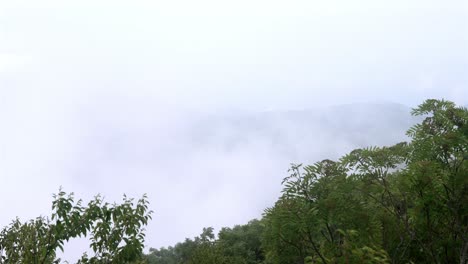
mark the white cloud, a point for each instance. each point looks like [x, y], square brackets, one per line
[11, 62]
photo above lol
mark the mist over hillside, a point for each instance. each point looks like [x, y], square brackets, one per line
[216, 165]
[205, 105]
[295, 134]
[217, 169]
[398, 181]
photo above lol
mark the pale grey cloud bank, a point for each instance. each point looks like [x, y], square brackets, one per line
[190, 101]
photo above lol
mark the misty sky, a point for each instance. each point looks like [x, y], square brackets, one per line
[111, 96]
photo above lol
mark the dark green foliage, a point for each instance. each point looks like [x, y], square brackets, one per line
[240, 244]
[400, 204]
[116, 231]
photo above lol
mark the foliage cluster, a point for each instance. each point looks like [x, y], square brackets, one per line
[116, 232]
[237, 245]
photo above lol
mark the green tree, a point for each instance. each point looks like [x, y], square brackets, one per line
[116, 231]
[242, 243]
[201, 250]
[403, 203]
[237, 245]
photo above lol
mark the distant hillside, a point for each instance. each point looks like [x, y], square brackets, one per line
[294, 133]
[222, 160]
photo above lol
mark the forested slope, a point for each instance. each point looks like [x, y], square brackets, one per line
[404, 203]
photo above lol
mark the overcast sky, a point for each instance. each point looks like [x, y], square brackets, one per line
[102, 96]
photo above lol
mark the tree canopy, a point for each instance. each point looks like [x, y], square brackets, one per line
[116, 232]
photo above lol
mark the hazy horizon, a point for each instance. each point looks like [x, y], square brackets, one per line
[200, 103]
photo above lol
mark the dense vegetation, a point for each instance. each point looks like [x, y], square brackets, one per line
[115, 232]
[405, 203]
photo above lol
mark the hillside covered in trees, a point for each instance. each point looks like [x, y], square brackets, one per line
[405, 203]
